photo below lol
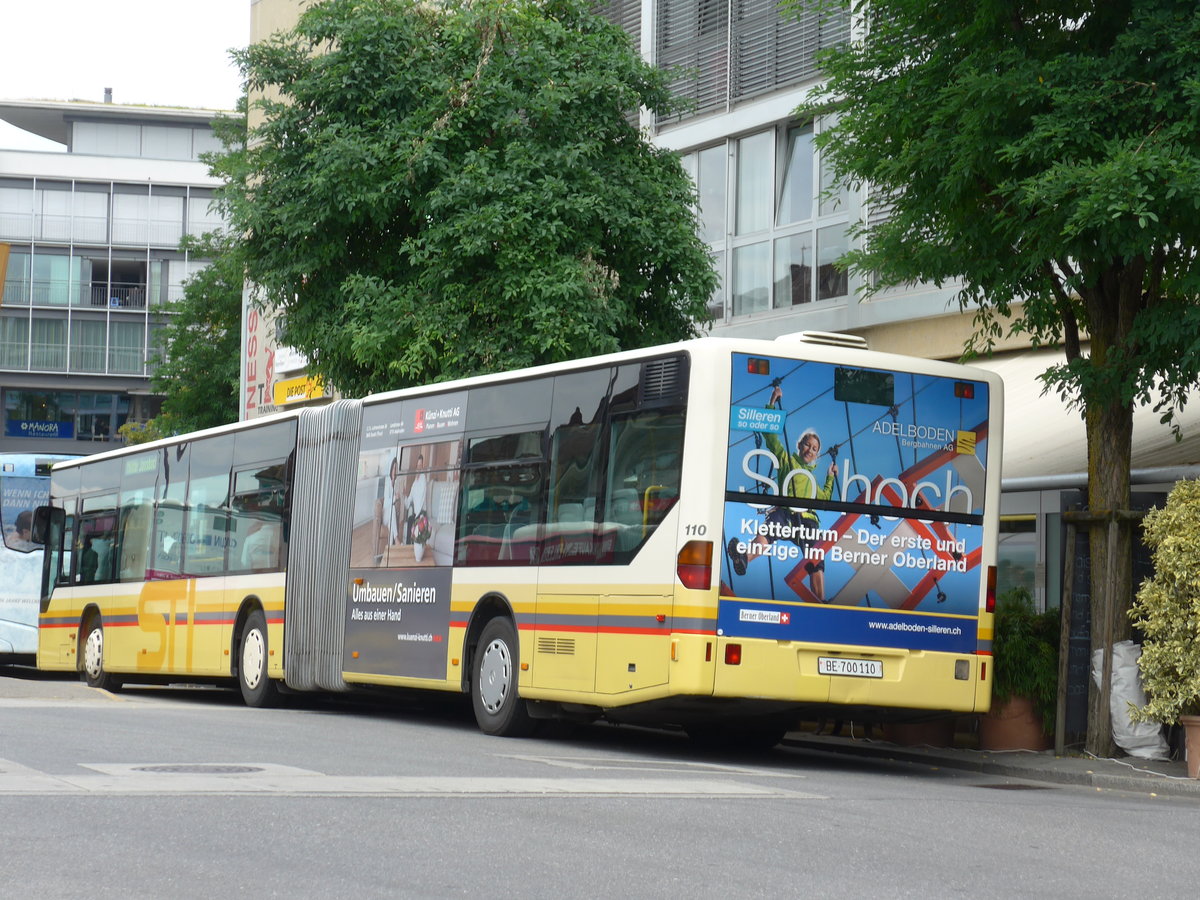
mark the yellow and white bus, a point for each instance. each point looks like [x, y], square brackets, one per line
[718, 534]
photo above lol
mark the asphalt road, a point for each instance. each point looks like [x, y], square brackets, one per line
[186, 793]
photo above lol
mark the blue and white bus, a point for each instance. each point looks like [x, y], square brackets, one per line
[24, 486]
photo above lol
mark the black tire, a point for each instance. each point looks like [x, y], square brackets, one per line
[258, 690]
[498, 708]
[91, 658]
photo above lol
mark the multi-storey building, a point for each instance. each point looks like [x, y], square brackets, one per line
[92, 237]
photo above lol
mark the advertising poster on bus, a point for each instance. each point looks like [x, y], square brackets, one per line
[398, 615]
[853, 505]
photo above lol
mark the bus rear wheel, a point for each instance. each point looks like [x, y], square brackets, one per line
[498, 708]
[93, 658]
[258, 690]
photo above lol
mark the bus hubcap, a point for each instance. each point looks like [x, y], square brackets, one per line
[253, 653]
[494, 673]
[93, 652]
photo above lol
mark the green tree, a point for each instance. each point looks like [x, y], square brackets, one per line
[439, 190]
[1043, 155]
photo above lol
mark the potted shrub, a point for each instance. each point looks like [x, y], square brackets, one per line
[1167, 612]
[1024, 677]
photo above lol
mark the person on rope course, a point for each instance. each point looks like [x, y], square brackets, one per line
[800, 526]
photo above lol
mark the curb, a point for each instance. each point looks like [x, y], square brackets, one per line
[1078, 772]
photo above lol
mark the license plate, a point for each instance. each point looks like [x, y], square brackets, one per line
[856, 668]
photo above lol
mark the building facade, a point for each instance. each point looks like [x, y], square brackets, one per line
[92, 239]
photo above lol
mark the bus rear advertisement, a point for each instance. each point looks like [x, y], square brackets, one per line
[860, 489]
[719, 534]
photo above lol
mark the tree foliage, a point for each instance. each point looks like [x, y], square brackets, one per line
[1043, 155]
[444, 189]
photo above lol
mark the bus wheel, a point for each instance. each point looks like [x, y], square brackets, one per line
[498, 708]
[258, 690]
[93, 659]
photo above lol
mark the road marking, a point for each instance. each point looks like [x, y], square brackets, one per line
[265, 779]
[602, 763]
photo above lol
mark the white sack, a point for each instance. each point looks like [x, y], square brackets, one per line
[1140, 739]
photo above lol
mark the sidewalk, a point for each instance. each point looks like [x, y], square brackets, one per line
[1157, 777]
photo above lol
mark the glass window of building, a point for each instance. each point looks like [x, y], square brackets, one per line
[126, 349]
[90, 220]
[14, 341]
[790, 221]
[204, 141]
[53, 205]
[167, 142]
[754, 167]
[64, 415]
[166, 219]
[131, 216]
[203, 215]
[16, 279]
[48, 344]
[88, 338]
[106, 138]
[16, 211]
[55, 279]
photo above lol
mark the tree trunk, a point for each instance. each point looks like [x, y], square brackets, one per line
[1110, 438]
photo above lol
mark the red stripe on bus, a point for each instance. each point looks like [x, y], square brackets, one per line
[614, 629]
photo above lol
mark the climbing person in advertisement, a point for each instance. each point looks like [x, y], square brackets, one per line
[797, 476]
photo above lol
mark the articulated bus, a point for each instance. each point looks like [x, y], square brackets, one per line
[24, 486]
[718, 534]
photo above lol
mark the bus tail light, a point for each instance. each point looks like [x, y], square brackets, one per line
[733, 654]
[990, 596]
[695, 565]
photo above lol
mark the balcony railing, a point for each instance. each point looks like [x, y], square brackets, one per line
[59, 229]
[52, 292]
[119, 296]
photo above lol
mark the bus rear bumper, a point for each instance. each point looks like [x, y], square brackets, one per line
[867, 676]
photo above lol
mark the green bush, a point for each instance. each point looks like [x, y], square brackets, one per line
[1167, 609]
[1025, 654]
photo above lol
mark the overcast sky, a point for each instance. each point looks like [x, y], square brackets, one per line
[158, 52]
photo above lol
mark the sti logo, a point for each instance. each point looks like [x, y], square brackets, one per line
[419, 424]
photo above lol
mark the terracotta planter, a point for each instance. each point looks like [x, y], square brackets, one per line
[1191, 735]
[1013, 726]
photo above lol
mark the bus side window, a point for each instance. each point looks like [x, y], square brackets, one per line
[501, 511]
[206, 525]
[168, 541]
[137, 520]
[97, 540]
[256, 520]
[64, 571]
[646, 452]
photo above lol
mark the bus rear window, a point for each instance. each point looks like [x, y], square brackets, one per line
[864, 386]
